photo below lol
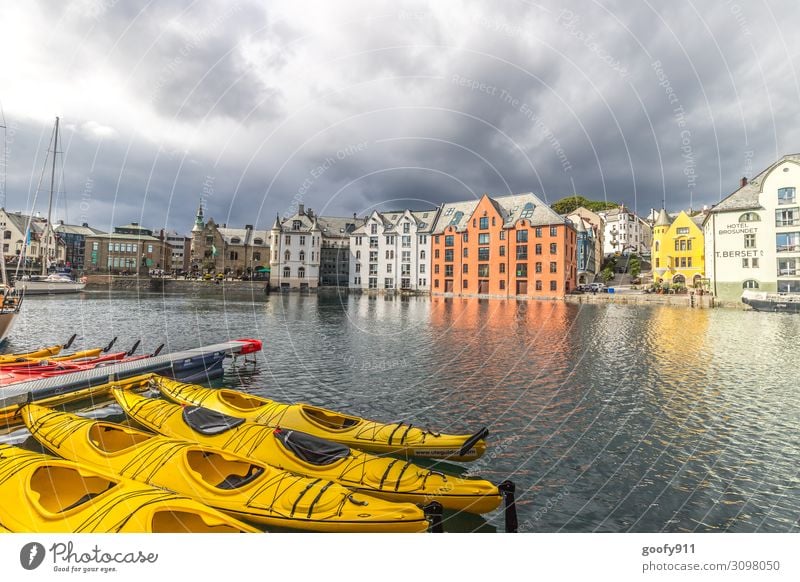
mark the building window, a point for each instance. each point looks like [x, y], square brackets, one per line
[288, 240]
[553, 267]
[787, 267]
[522, 252]
[522, 236]
[483, 253]
[553, 231]
[502, 235]
[287, 256]
[373, 229]
[502, 284]
[682, 230]
[464, 284]
[786, 217]
[502, 268]
[358, 254]
[465, 268]
[388, 283]
[422, 267]
[786, 195]
[436, 253]
[233, 256]
[658, 263]
[749, 241]
[553, 248]
[748, 217]
[527, 210]
[745, 263]
[436, 283]
[287, 272]
[422, 254]
[388, 267]
[538, 232]
[483, 238]
[465, 237]
[436, 269]
[149, 248]
[302, 255]
[423, 239]
[539, 249]
[406, 242]
[502, 250]
[466, 252]
[754, 262]
[448, 270]
[406, 228]
[750, 284]
[788, 242]
[373, 282]
[522, 269]
[448, 255]
[301, 273]
[449, 240]
[358, 267]
[483, 270]
[657, 246]
[553, 286]
[538, 285]
[538, 267]
[484, 222]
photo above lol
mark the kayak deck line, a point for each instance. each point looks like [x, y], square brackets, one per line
[205, 357]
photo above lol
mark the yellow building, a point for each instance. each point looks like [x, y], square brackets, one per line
[678, 253]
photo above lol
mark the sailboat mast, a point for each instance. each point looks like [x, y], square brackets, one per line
[48, 228]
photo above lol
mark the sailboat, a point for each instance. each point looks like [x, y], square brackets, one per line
[54, 283]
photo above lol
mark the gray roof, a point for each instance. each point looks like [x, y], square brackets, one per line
[117, 235]
[746, 197]
[663, 219]
[77, 229]
[330, 226]
[424, 219]
[245, 235]
[509, 207]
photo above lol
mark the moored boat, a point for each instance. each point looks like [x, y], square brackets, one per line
[53, 284]
[352, 431]
[304, 454]
[775, 302]
[42, 494]
[241, 487]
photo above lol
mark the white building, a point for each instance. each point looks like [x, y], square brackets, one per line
[752, 237]
[625, 232]
[179, 246]
[310, 250]
[392, 250]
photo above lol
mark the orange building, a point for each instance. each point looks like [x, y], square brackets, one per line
[505, 246]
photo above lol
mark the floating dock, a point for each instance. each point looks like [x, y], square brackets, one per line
[189, 365]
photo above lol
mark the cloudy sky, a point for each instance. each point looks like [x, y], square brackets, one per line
[344, 106]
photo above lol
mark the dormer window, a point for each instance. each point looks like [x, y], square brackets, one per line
[297, 224]
[258, 241]
[527, 210]
[236, 241]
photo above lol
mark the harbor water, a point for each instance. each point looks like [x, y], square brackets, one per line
[608, 418]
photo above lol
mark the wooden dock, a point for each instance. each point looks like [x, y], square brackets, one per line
[203, 361]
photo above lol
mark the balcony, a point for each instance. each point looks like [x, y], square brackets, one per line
[787, 222]
[788, 272]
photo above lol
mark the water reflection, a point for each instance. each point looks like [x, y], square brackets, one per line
[608, 417]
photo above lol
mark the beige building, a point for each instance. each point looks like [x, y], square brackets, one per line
[130, 249]
[42, 240]
[232, 251]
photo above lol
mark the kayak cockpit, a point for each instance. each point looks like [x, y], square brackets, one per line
[58, 489]
[242, 401]
[110, 438]
[220, 471]
[329, 419]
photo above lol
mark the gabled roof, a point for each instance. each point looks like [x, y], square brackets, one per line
[510, 208]
[746, 197]
[390, 219]
[77, 229]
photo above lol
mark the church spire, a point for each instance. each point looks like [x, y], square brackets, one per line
[199, 223]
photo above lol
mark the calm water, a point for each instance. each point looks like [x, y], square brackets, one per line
[608, 418]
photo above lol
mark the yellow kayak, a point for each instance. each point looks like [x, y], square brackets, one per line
[369, 435]
[50, 353]
[307, 455]
[42, 494]
[11, 416]
[243, 487]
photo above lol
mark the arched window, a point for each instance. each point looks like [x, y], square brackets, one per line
[679, 279]
[301, 273]
[287, 272]
[750, 284]
[287, 256]
[422, 254]
[302, 255]
[749, 217]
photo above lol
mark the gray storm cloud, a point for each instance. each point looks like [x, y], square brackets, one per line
[258, 106]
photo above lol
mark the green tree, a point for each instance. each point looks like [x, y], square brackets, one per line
[607, 274]
[634, 266]
[568, 204]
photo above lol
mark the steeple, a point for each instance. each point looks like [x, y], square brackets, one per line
[199, 224]
[277, 223]
[663, 219]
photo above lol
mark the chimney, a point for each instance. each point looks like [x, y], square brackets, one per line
[301, 209]
[743, 182]
[85, 225]
[248, 227]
